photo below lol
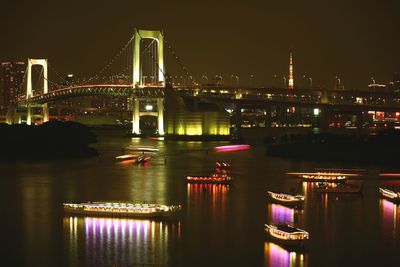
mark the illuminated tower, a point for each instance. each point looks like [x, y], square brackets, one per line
[291, 80]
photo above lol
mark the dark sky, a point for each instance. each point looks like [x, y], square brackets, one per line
[353, 39]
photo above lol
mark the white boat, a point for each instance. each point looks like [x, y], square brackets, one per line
[323, 176]
[286, 199]
[287, 234]
[121, 209]
[390, 194]
[143, 149]
[143, 158]
[127, 157]
[215, 178]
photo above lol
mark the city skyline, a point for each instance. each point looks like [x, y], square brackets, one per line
[353, 41]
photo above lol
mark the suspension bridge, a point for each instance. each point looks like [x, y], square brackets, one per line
[141, 62]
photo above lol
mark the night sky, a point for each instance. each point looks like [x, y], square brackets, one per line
[352, 39]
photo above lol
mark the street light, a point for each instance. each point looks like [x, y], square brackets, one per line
[204, 77]
[373, 82]
[338, 82]
[251, 79]
[284, 82]
[310, 79]
[237, 80]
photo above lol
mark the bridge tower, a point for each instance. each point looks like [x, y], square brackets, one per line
[45, 110]
[138, 81]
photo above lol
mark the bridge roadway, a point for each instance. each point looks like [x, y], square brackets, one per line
[246, 97]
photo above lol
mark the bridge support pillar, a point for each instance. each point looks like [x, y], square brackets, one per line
[160, 117]
[324, 97]
[360, 121]
[11, 113]
[238, 119]
[45, 112]
[135, 116]
[268, 119]
[28, 115]
[326, 114]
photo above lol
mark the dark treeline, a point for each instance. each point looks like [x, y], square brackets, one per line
[49, 140]
[384, 147]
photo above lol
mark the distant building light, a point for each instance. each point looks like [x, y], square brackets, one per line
[316, 111]
[149, 107]
[70, 75]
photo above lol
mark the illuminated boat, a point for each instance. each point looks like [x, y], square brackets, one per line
[287, 234]
[143, 158]
[143, 149]
[323, 176]
[231, 148]
[286, 199]
[121, 209]
[325, 187]
[222, 165]
[215, 178]
[390, 194]
[127, 157]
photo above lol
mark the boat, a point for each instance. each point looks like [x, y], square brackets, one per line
[215, 178]
[350, 188]
[122, 209]
[286, 199]
[323, 176]
[287, 234]
[390, 194]
[143, 158]
[222, 167]
[143, 149]
[127, 157]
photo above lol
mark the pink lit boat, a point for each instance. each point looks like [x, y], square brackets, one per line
[323, 176]
[287, 234]
[215, 178]
[390, 194]
[286, 199]
[121, 209]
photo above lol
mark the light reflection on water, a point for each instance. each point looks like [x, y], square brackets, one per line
[120, 242]
[276, 256]
[280, 214]
[390, 214]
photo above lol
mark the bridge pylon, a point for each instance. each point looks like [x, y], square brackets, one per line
[158, 37]
[137, 76]
[29, 93]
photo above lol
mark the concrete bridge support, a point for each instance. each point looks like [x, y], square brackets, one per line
[136, 116]
[268, 119]
[326, 115]
[238, 119]
[11, 114]
[28, 115]
[360, 121]
[160, 117]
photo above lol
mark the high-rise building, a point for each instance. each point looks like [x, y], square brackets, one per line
[291, 79]
[12, 77]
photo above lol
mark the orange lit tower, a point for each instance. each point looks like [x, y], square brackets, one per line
[291, 80]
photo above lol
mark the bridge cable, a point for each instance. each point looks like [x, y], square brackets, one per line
[183, 67]
[158, 65]
[111, 61]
